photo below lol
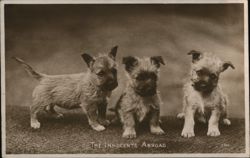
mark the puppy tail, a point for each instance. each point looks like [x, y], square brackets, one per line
[29, 69]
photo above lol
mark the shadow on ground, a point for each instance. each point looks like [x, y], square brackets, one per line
[72, 134]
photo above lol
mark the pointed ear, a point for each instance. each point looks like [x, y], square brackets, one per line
[196, 55]
[129, 62]
[112, 53]
[88, 59]
[157, 60]
[226, 64]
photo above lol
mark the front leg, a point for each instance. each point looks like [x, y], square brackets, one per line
[188, 129]
[128, 125]
[155, 124]
[213, 129]
[102, 108]
[91, 111]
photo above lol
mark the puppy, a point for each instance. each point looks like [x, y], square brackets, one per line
[86, 90]
[140, 100]
[203, 96]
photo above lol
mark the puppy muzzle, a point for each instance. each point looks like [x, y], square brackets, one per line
[203, 86]
[109, 86]
[146, 91]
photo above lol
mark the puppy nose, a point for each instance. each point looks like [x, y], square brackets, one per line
[111, 81]
[111, 77]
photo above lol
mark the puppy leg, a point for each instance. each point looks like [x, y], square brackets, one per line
[91, 111]
[226, 121]
[154, 123]
[202, 119]
[181, 115]
[188, 129]
[34, 109]
[50, 109]
[213, 129]
[128, 125]
[224, 112]
[102, 108]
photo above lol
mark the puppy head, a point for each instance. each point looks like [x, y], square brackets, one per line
[143, 73]
[103, 69]
[206, 69]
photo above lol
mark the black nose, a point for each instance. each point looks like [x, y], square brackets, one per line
[111, 84]
[111, 81]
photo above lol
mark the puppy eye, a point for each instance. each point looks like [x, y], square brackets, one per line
[199, 72]
[213, 76]
[101, 73]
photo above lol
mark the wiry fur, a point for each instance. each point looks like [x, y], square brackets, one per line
[133, 107]
[204, 104]
[73, 91]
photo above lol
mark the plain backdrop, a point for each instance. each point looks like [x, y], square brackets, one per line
[51, 38]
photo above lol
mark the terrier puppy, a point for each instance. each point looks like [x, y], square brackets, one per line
[86, 90]
[140, 99]
[203, 96]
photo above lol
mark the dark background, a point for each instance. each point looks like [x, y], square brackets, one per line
[52, 37]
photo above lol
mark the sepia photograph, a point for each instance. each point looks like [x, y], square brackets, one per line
[121, 78]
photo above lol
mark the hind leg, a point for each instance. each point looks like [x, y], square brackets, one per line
[224, 119]
[51, 110]
[102, 108]
[155, 124]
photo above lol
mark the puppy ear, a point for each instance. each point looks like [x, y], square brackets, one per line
[88, 59]
[157, 60]
[112, 53]
[196, 55]
[226, 64]
[130, 62]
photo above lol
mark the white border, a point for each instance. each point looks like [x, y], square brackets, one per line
[246, 57]
[118, 1]
[246, 66]
[3, 80]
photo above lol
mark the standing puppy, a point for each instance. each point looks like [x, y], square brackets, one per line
[203, 95]
[140, 98]
[86, 90]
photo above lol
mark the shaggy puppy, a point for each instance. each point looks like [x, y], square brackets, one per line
[86, 90]
[140, 99]
[203, 95]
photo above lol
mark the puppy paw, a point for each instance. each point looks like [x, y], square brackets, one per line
[202, 119]
[129, 134]
[156, 130]
[98, 128]
[58, 116]
[35, 124]
[187, 133]
[213, 131]
[104, 122]
[226, 122]
[181, 115]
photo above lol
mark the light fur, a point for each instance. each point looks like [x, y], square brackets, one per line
[211, 106]
[70, 91]
[133, 108]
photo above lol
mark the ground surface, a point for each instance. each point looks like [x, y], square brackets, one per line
[72, 134]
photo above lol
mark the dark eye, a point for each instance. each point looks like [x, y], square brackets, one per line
[114, 71]
[199, 72]
[101, 73]
[213, 76]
